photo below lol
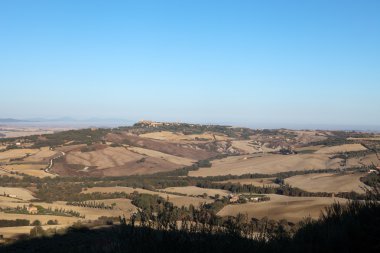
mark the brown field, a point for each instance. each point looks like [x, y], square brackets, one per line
[328, 182]
[196, 191]
[123, 207]
[311, 149]
[267, 164]
[149, 166]
[76, 147]
[4, 173]
[23, 166]
[175, 199]
[178, 137]
[119, 161]
[62, 220]
[366, 161]
[20, 193]
[341, 149]
[282, 207]
[156, 154]
[16, 153]
[309, 136]
[42, 155]
[29, 169]
[259, 182]
[10, 232]
[246, 146]
[103, 158]
[185, 150]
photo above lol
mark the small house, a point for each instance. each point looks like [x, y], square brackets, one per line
[234, 199]
[32, 209]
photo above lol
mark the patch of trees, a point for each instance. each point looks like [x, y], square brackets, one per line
[371, 179]
[52, 222]
[189, 129]
[14, 223]
[158, 213]
[91, 204]
[353, 154]
[41, 211]
[341, 228]
[284, 189]
[81, 136]
[88, 148]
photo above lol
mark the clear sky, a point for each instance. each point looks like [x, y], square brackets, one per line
[256, 63]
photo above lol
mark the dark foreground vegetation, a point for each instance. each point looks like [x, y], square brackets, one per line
[351, 228]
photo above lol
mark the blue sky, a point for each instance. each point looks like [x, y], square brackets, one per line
[256, 63]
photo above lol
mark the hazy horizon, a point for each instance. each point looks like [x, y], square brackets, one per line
[274, 63]
[116, 122]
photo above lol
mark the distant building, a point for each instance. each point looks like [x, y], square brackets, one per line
[32, 209]
[234, 198]
[255, 199]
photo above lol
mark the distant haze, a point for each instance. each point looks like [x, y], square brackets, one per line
[262, 64]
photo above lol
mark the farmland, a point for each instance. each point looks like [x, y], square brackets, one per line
[267, 163]
[95, 176]
[282, 207]
[178, 200]
[328, 182]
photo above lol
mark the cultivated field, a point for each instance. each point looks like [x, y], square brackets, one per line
[62, 220]
[328, 182]
[309, 136]
[177, 149]
[246, 146]
[103, 158]
[178, 137]
[367, 160]
[282, 207]
[10, 232]
[267, 164]
[170, 158]
[43, 154]
[16, 153]
[35, 170]
[20, 193]
[123, 207]
[177, 200]
[341, 149]
[196, 191]
[119, 161]
[259, 182]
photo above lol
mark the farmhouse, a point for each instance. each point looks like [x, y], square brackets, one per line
[255, 199]
[32, 209]
[233, 198]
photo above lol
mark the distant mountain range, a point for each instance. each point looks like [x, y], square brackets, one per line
[10, 120]
[66, 120]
